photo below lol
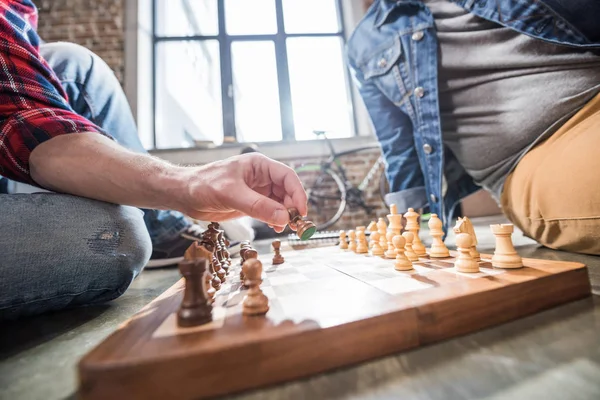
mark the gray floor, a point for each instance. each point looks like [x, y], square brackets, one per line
[551, 355]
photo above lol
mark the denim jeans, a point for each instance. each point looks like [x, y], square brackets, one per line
[59, 250]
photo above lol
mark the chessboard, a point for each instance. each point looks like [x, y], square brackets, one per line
[329, 308]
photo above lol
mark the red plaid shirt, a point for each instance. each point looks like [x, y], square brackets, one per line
[33, 105]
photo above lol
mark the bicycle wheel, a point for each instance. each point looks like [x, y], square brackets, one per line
[326, 194]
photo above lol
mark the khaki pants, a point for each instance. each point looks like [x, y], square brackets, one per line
[553, 195]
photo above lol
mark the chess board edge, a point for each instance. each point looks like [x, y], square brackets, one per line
[303, 352]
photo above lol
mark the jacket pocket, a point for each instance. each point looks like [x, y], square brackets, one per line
[387, 69]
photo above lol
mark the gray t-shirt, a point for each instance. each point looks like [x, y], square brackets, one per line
[501, 92]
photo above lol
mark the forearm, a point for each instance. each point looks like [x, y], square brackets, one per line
[93, 166]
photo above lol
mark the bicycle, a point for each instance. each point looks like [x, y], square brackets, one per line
[329, 189]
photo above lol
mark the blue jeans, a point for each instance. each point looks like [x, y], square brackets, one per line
[59, 250]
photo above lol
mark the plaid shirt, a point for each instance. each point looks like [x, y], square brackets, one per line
[33, 105]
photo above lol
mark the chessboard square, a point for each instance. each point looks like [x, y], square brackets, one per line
[423, 268]
[400, 284]
[269, 292]
[321, 273]
[287, 279]
[325, 286]
[375, 275]
[275, 271]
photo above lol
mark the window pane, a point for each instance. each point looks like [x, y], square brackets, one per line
[318, 84]
[255, 91]
[250, 17]
[186, 17]
[188, 93]
[310, 16]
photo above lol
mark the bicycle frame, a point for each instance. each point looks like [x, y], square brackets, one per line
[334, 160]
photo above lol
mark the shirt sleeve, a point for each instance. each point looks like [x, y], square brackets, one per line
[33, 106]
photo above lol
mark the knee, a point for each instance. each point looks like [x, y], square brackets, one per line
[75, 63]
[124, 245]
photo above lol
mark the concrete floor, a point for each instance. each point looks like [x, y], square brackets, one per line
[38, 356]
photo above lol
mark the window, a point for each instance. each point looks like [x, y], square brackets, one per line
[248, 71]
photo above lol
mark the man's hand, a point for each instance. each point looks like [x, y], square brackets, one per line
[250, 184]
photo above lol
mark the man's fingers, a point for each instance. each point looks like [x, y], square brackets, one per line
[285, 177]
[258, 206]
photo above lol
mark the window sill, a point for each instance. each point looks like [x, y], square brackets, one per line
[276, 150]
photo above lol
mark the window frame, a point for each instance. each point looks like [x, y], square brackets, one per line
[281, 58]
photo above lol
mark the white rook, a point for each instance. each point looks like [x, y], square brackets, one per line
[505, 255]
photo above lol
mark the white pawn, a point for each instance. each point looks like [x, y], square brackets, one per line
[408, 247]
[382, 229]
[391, 251]
[402, 263]
[361, 247]
[465, 261]
[352, 241]
[372, 228]
[376, 250]
[343, 242]
[438, 248]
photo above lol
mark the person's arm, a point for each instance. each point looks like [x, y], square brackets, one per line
[91, 165]
[33, 104]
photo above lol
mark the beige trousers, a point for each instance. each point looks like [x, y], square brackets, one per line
[553, 195]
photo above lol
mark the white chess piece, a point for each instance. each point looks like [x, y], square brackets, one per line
[438, 248]
[465, 261]
[412, 226]
[402, 263]
[382, 229]
[505, 255]
[410, 253]
[343, 241]
[395, 221]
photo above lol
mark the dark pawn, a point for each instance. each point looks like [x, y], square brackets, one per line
[277, 258]
[248, 254]
[218, 268]
[196, 308]
[221, 251]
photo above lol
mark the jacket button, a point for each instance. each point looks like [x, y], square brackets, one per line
[427, 149]
[417, 36]
[382, 63]
[419, 92]
[433, 198]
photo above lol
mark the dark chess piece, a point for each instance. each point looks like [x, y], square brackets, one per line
[218, 268]
[204, 250]
[304, 229]
[249, 254]
[243, 247]
[196, 308]
[255, 302]
[277, 258]
[222, 250]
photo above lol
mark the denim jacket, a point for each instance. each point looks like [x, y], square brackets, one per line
[393, 57]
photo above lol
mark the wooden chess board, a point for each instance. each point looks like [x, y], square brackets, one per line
[328, 308]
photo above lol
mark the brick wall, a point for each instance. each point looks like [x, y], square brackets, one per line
[95, 24]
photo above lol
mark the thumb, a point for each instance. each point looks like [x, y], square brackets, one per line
[260, 207]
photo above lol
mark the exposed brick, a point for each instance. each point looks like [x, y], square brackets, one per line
[95, 24]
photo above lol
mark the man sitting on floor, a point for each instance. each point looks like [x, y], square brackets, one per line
[65, 126]
[502, 95]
